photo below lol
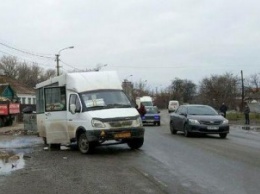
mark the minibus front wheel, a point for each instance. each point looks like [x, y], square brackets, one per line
[135, 143]
[84, 145]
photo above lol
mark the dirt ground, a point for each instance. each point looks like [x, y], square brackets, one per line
[15, 128]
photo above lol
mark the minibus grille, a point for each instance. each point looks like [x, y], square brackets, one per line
[120, 123]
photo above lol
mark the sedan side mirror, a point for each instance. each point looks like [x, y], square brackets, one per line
[184, 114]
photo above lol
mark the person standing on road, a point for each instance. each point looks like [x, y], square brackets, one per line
[223, 109]
[142, 110]
[246, 112]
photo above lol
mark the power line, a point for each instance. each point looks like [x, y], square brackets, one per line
[33, 62]
[166, 67]
[70, 65]
[147, 66]
[29, 53]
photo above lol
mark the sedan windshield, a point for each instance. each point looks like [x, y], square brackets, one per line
[105, 99]
[147, 103]
[151, 110]
[201, 110]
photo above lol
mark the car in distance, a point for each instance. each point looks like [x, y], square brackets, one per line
[173, 105]
[200, 119]
[152, 116]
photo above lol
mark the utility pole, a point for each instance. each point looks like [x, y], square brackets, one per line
[243, 94]
[58, 66]
[58, 58]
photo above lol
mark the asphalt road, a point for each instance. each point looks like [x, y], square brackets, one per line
[165, 164]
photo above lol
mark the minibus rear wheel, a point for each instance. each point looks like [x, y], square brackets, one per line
[85, 147]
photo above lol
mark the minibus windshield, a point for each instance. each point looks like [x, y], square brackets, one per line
[105, 99]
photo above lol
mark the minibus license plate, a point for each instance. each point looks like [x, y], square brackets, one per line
[122, 135]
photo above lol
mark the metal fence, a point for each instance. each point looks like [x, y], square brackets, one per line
[30, 123]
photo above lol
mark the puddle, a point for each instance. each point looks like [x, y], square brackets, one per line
[10, 162]
[13, 150]
[10, 142]
[251, 128]
[246, 127]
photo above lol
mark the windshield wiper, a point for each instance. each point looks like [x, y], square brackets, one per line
[118, 105]
[96, 107]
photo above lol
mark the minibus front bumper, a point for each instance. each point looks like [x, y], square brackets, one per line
[115, 134]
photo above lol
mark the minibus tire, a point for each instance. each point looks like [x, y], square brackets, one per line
[85, 147]
[55, 146]
[44, 140]
[135, 143]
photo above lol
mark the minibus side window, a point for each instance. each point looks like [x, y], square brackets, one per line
[40, 101]
[74, 100]
[55, 99]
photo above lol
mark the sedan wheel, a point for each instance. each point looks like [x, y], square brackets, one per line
[173, 131]
[186, 132]
[223, 135]
[84, 145]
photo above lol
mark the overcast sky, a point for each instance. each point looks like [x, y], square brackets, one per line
[153, 40]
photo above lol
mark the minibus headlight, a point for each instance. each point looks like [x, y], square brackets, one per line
[97, 124]
[137, 122]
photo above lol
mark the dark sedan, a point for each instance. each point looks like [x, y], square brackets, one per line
[200, 119]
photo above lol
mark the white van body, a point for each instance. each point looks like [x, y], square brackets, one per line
[173, 105]
[145, 100]
[95, 110]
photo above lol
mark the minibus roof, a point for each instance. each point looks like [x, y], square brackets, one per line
[85, 81]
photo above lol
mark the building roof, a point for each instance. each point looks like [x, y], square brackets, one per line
[16, 86]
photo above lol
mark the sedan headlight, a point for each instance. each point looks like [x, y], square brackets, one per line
[194, 121]
[97, 124]
[225, 121]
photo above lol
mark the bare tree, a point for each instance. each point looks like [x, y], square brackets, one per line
[9, 66]
[254, 81]
[217, 89]
[46, 75]
[141, 89]
[182, 90]
[23, 72]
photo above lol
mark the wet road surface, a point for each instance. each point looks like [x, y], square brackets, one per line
[165, 164]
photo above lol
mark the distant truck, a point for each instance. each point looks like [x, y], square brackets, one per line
[89, 108]
[8, 111]
[145, 100]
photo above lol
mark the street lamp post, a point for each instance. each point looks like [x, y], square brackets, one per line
[58, 58]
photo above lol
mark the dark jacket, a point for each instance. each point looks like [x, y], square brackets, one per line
[142, 110]
[223, 108]
[247, 110]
